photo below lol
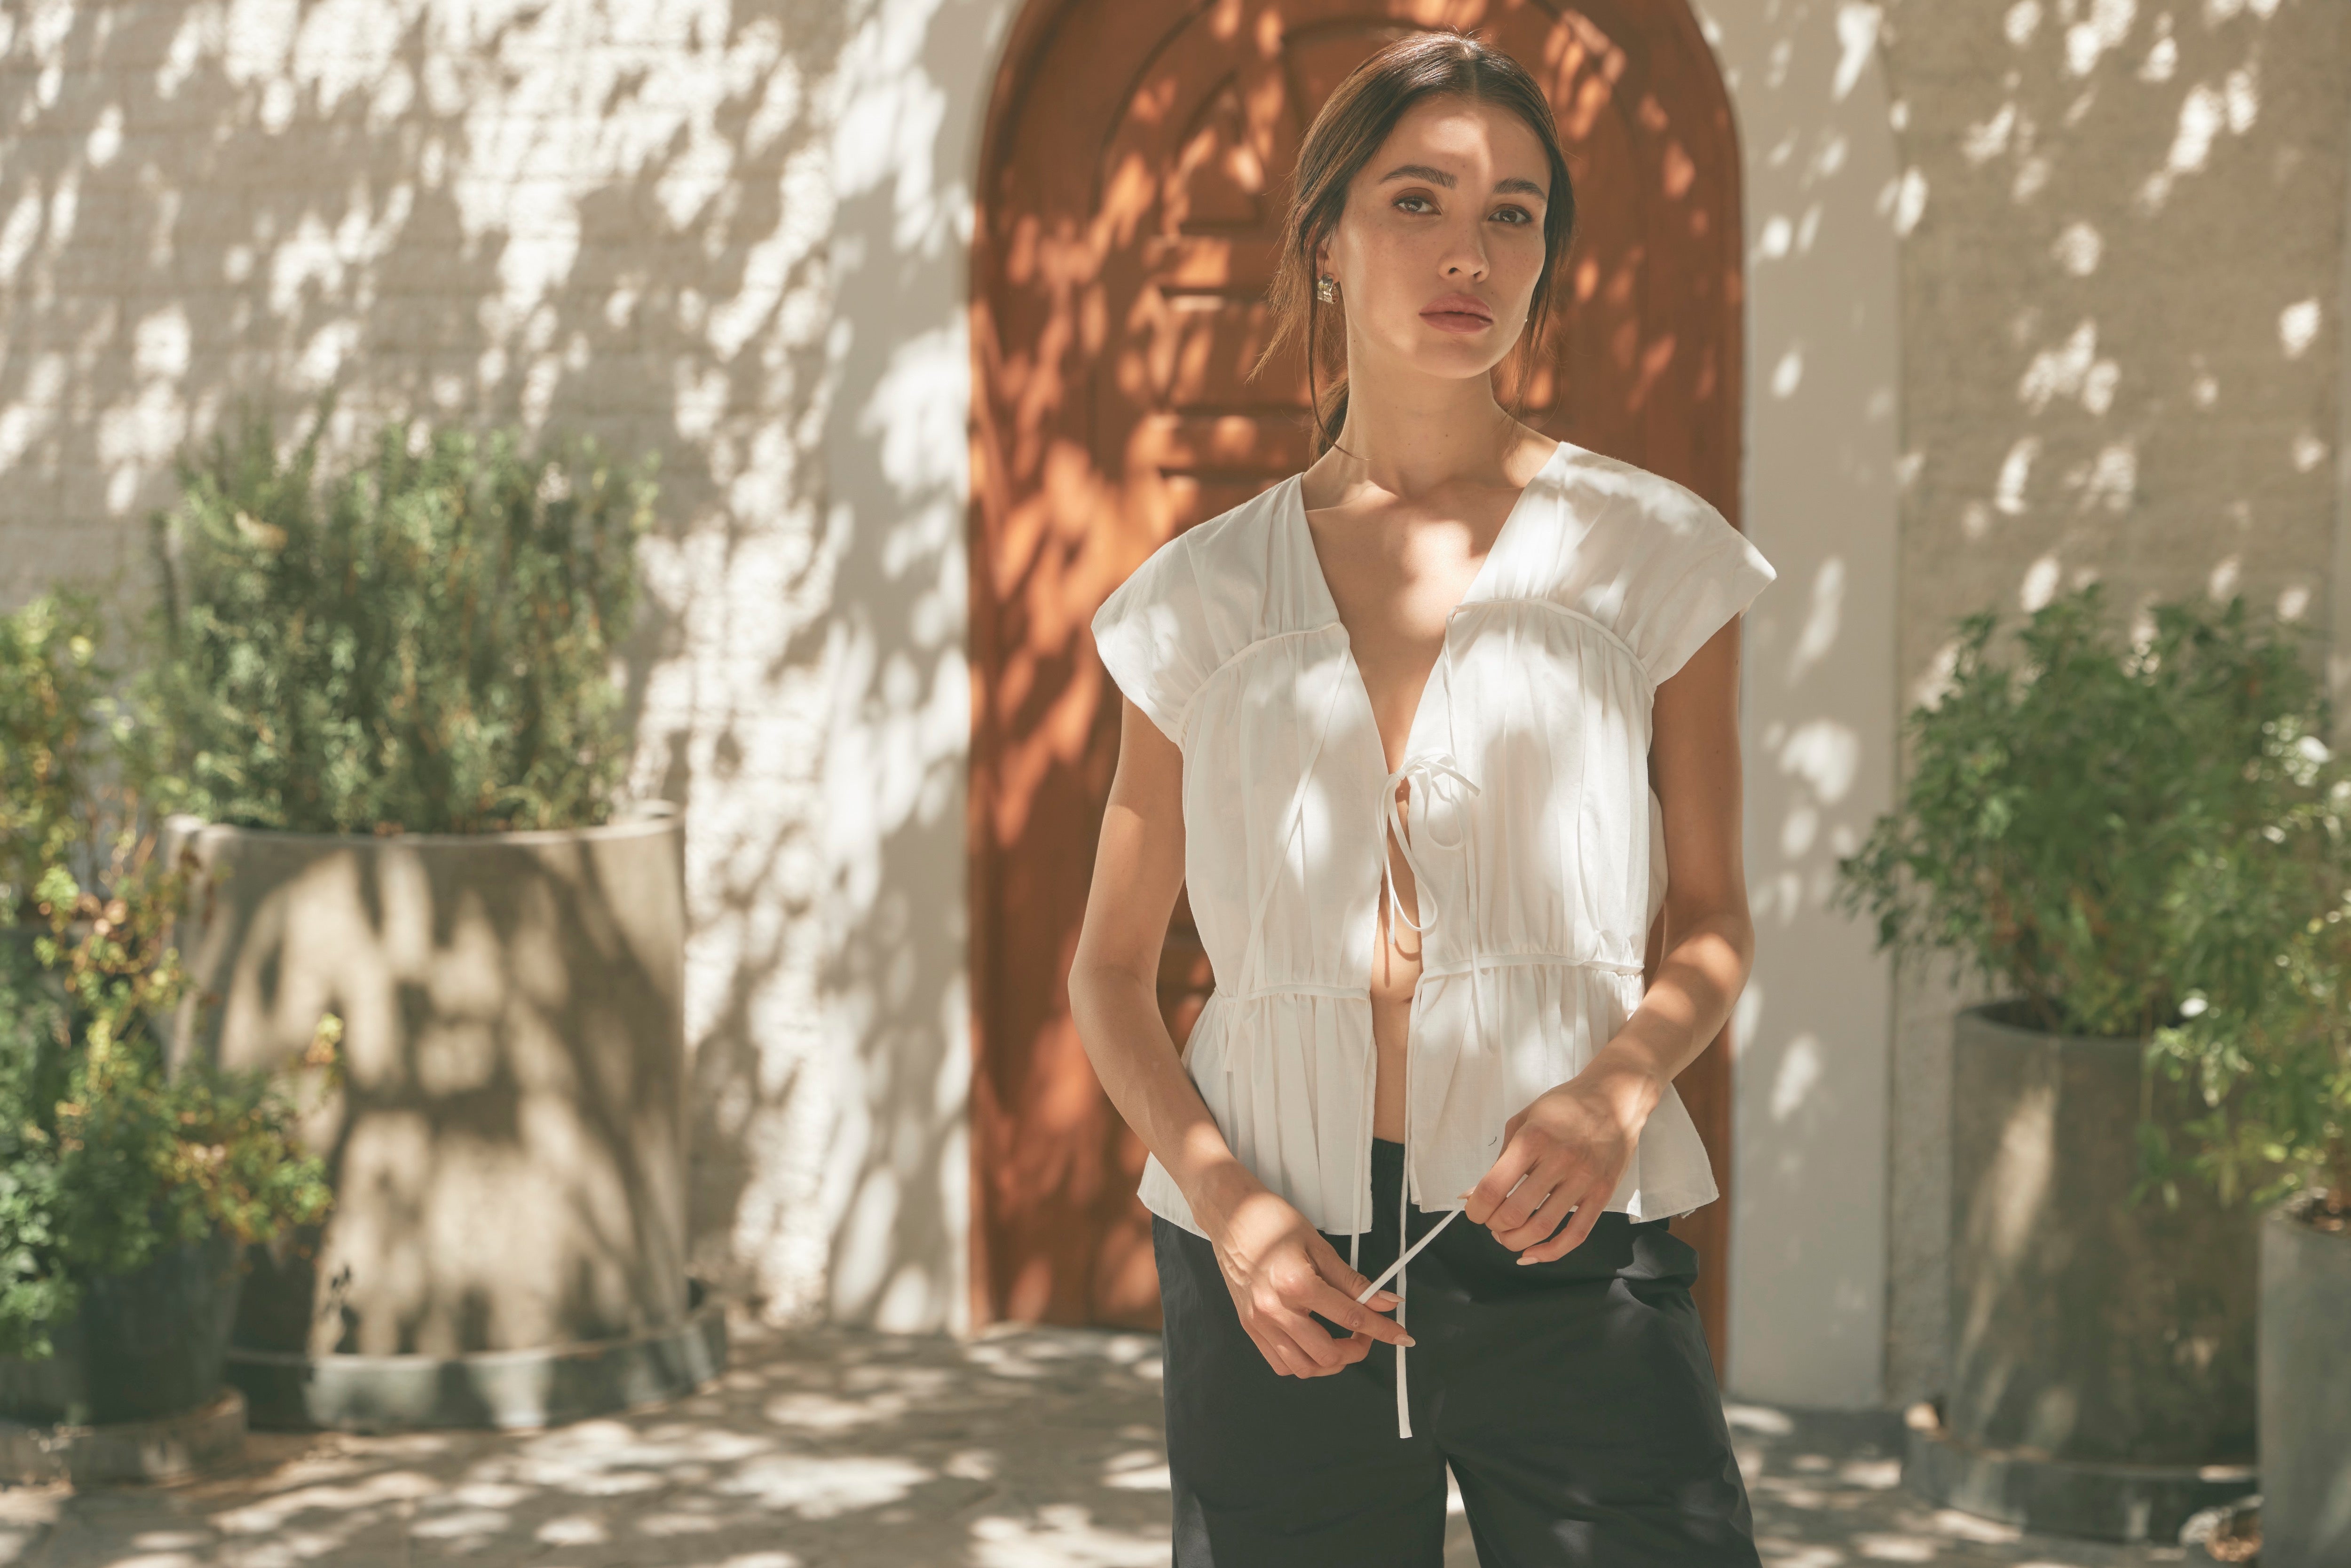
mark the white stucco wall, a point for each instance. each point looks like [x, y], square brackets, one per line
[1823, 207]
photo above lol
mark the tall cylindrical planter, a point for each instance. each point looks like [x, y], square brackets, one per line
[2102, 1354]
[507, 1150]
[2305, 1390]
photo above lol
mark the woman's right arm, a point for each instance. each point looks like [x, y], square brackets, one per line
[1278, 1266]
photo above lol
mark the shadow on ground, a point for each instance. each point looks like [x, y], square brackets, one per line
[843, 1449]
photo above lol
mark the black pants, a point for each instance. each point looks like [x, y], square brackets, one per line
[1575, 1401]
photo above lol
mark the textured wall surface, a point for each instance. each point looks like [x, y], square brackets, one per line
[1820, 499]
[2121, 333]
[613, 218]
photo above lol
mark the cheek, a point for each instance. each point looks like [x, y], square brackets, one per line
[1521, 263]
[1397, 262]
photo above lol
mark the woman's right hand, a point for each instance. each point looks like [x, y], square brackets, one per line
[1278, 1269]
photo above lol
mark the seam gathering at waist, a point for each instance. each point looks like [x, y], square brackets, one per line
[1485, 961]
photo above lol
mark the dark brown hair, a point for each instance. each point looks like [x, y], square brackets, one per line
[1348, 129]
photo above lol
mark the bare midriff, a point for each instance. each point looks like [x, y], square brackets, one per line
[1394, 580]
[1396, 970]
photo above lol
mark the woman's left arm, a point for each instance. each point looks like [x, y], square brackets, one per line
[1574, 1141]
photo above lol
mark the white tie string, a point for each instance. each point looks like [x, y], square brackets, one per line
[1425, 767]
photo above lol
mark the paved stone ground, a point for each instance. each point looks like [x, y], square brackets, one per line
[836, 1449]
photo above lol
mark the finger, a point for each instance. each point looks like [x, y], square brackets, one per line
[1588, 1210]
[1312, 1340]
[1533, 1190]
[1351, 1349]
[1285, 1358]
[1325, 1258]
[1542, 1222]
[1507, 1174]
[1350, 1313]
[1519, 1207]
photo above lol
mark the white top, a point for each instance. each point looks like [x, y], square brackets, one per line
[1532, 834]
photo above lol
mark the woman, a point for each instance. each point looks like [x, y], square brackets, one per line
[1433, 732]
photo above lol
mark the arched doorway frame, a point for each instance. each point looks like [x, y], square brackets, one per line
[1129, 217]
[1819, 500]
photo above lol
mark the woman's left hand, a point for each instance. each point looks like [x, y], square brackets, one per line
[1571, 1144]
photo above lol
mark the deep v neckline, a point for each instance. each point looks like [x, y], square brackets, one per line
[1479, 581]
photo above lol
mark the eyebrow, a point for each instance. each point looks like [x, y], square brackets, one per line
[1439, 177]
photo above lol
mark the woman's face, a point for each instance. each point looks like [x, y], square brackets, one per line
[1451, 206]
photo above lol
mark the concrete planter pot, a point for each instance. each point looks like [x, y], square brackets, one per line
[134, 1391]
[2306, 1389]
[507, 1147]
[2102, 1356]
[145, 1346]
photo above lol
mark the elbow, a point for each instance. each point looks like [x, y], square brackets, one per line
[1723, 926]
[1738, 929]
[1096, 986]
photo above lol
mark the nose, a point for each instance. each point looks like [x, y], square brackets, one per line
[1470, 257]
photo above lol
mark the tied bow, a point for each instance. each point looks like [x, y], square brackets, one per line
[1423, 771]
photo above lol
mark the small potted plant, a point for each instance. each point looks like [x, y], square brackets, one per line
[2055, 833]
[125, 1189]
[2265, 1049]
[383, 703]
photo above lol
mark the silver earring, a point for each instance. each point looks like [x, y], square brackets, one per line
[1326, 290]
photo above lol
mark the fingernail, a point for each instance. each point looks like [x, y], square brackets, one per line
[1524, 1259]
[1409, 1340]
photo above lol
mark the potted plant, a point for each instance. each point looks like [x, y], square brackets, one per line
[383, 705]
[2266, 1049]
[2055, 833]
[125, 1189]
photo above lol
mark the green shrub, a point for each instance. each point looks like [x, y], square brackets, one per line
[423, 645]
[2265, 1041]
[53, 712]
[2146, 843]
[105, 1154]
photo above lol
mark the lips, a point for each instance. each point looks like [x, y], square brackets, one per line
[1457, 309]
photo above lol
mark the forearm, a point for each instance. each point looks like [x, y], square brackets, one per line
[1118, 1022]
[1685, 1006]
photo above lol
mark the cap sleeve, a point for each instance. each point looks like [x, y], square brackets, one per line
[1153, 635]
[1700, 574]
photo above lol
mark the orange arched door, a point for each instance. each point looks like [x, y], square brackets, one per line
[1126, 234]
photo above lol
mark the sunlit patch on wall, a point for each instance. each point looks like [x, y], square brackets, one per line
[2039, 584]
[2298, 326]
[2222, 582]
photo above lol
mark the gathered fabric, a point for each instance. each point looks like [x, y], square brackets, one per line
[1521, 806]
